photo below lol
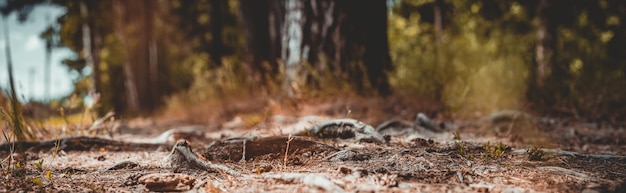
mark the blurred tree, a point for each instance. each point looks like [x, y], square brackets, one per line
[564, 52]
[336, 38]
[203, 23]
[51, 41]
[133, 26]
[262, 20]
[132, 47]
[470, 54]
[545, 44]
[576, 62]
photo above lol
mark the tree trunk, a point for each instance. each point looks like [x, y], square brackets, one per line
[150, 49]
[141, 61]
[335, 37]
[132, 98]
[544, 46]
[438, 21]
[87, 51]
[47, 71]
[376, 55]
[318, 25]
[217, 44]
[438, 34]
[292, 44]
[95, 45]
[257, 21]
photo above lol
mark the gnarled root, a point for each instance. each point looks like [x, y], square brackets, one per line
[182, 156]
[345, 128]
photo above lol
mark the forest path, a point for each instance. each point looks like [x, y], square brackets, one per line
[547, 156]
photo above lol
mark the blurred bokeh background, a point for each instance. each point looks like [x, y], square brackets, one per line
[556, 57]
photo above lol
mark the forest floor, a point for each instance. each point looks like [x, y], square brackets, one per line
[481, 154]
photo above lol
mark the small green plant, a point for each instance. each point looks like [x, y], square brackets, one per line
[38, 182]
[460, 146]
[39, 165]
[496, 151]
[49, 174]
[8, 138]
[490, 151]
[16, 119]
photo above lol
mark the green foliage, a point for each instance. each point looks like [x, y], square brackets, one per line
[48, 174]
[476, 55]
[457, 136]
[38, 182]
[477, 64]
[461, 149]
[483, 59]
[593, 65]
[13, 118]
[39, 165]
[487, 152]
[494, 151]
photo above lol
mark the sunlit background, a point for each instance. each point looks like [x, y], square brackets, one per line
[465, 56]
[28, 52]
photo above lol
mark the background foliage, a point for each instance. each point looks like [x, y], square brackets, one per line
[466, 55]
[486, 56]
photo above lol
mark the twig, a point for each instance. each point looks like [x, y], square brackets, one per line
[243, 154]
[287, 149]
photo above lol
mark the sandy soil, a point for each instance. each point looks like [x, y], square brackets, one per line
[550, 155]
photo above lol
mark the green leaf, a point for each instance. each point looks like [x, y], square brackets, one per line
[38, 181]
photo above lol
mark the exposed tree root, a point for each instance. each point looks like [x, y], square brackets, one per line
[344, 129]
[573, 154]
[314, 180]
[421, 125]
[82, 143]
[182, 156]
[249, 148]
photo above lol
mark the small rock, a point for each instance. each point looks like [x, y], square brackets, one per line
[167, 182]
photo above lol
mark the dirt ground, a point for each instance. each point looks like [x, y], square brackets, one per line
[475, 155]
